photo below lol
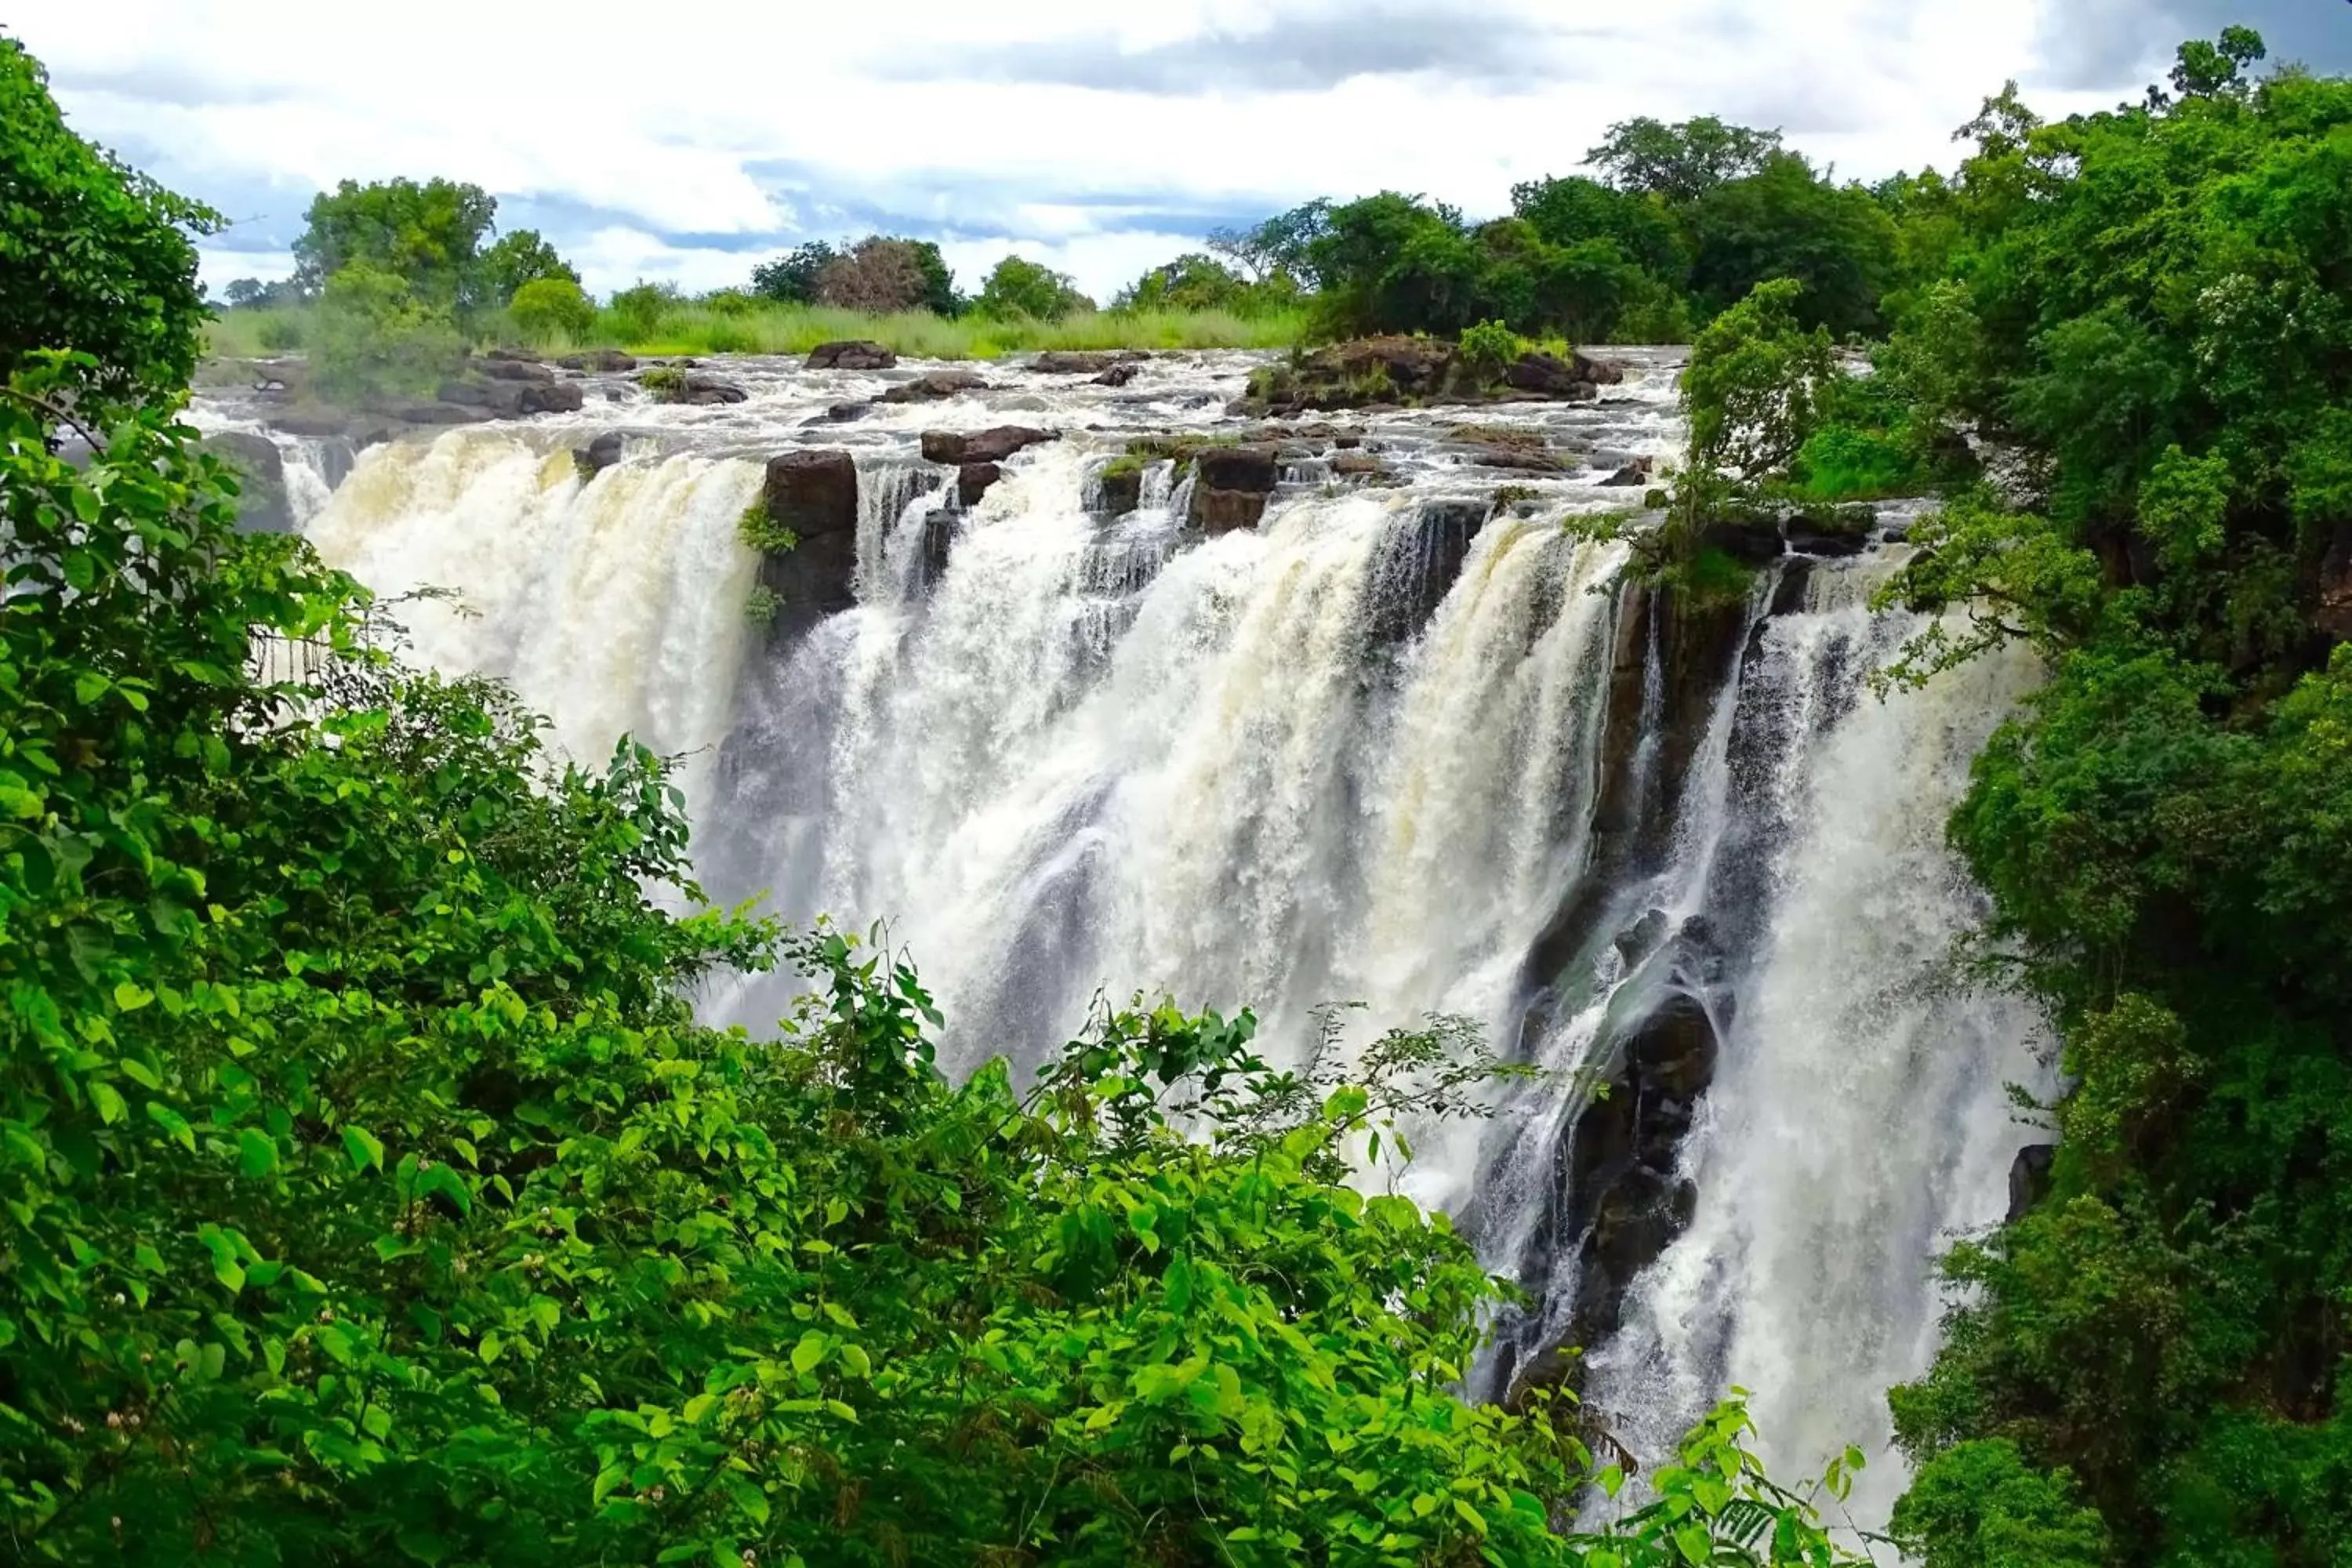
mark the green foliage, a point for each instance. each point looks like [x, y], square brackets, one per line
[372, 339]
[1785, 221]
[791, 279]
[1755, 385]
[428, 236]
[1842, 462]
[520, 259]
[759, 531]
[1017, 288]
[2149, 308]
[375, 1195]
[1681, 163]
[548, 309]
[94, 257]
[1489, 348]
[639, 311]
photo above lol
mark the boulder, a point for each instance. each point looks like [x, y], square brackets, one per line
[850, 353]
[521, 399]
[598, 455]
[1634, 474]
[1542, 374]
[934, 385]
[499, 368]
[814, 494]
[1222, 512]
[464, 393]
[972, 481]
[842, 414]
[1249, 469]
[261, 503]
[1599, 372]
[1118, 490]
[1516, 458]
[1117, 374]
[605, 361]
[1750, 546]
[1082, 362]
[993, 445]
[2029, 1178]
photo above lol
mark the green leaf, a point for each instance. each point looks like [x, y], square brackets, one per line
[172, 1122]
[365, 1148]
[810, 1352]
[1695, 1543]
[107, 1100]
[257, 1154]
[131, 997]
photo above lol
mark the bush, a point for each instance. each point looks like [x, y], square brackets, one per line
[1017, 289]
[546, 310]
[280, 333]
[1490, 348]
[639, 311]
[372, 339]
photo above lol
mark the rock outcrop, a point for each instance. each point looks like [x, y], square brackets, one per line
[933, 386]
[1231, 486]
[814, 494]
[1631, 476]
[261, 502]
[1082, 362]
[1367, 372]
[1116, 375]
[850, 353]
[972, 481]
[605, 361]
[990, 446]
[598, 455]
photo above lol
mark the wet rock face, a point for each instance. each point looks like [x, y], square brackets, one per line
[850, 353]
[1420, 564]
[1231, 487]
[994, 445]
[1118, 490]
[1631, 476]
[261, 503]
[814, 494]
[973, 482]
[598, 455]
[2029, 1178]
[605, 361]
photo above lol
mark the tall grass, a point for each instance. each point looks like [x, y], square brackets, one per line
[770, 328]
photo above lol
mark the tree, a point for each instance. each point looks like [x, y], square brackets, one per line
[429, 236]
[1275, 247]
[1194, 281]
[1784, 221]
[521, 258]
[1756, 384]
[1576, 211]
[881, 275]
[547, 308]
[1017, 288]
[94, 257]
[374, 339]
[1680, 162]
[793, 278]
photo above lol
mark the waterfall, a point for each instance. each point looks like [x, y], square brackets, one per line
[613, 606]
[1404, 744]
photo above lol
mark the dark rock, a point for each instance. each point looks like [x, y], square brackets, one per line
[2334, 612]
[2029, 1178]
[261, 503]
[520, 400]
[1831, 531]
[1359, 465]
[1117, 490]
[938, 542]
[972, 481]
[814, 494]
[1547, 375]
[934, 385]
[1222, 512]
[1418, 564]
[842, 414]
[1084, 361]
[1643, 937]
[850, 353]
[706, 390]
[605, 361]
[500, 369]
[464, 393]
[1248, 469]
[1633, 474]
[512, 356]
[598, 455]
[1516, 458]
[993, 445]
[1749, 545]
[1601, 373]
[1117, 375]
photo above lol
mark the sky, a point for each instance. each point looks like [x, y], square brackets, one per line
[685, 140]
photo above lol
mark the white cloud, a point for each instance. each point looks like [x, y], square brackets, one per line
[914, 113]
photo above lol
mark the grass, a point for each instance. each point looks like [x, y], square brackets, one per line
[694, 329]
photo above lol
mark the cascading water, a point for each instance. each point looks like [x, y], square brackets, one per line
[1403, 744]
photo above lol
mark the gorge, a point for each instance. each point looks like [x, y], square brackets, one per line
[1405, 741]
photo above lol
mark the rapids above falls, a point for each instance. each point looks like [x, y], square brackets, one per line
[1400, 744]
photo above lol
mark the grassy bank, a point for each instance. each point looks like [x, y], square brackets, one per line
[694, 329]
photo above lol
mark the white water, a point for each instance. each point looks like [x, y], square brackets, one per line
[1113, 755]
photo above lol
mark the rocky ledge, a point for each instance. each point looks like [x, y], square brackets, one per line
[1401, 371]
